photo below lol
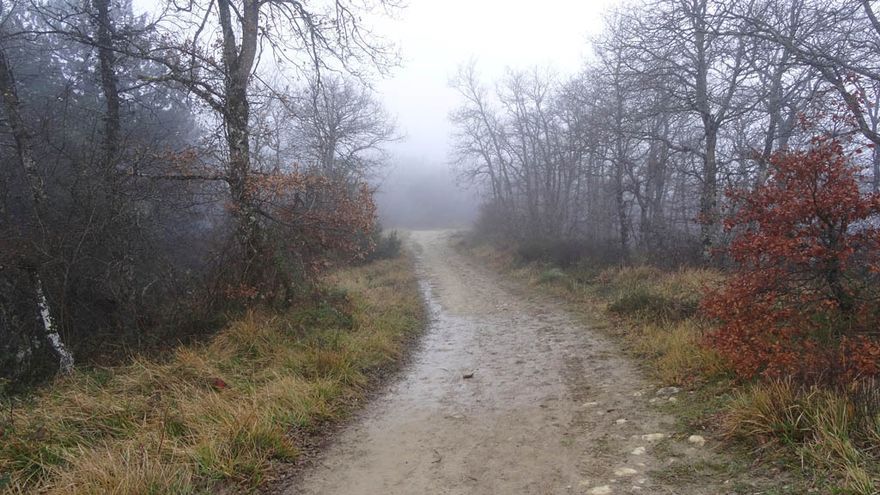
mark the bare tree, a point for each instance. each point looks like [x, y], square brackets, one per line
[337, 128]
[836, 40]
[480, 147]
[37, 204]
[685, 42]
[116, 182]
[221, 70]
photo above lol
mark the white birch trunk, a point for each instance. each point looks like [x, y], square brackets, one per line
[65, 358]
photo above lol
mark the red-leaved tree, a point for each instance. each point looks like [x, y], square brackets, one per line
[803, 301]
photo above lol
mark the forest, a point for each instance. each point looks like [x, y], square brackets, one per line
[157, 174]
[682, 102]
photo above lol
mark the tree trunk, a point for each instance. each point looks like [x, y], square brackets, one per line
[238, 61]
[622, 218]
[238, 176]
[709, 192]
[619, 199]
[65, 358]
[21, 135]
[109, 82]
[875, 165]
[709, 195]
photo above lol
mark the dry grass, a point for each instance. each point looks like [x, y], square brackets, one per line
[676, 352]
[662, 325]
[219, 412]
[835, 431]
[833, 436]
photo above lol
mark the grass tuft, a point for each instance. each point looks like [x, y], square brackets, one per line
[825, 428]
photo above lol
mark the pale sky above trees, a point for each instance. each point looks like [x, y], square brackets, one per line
[436, 37]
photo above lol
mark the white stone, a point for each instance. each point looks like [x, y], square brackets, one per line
[653, 437]
[590, 404]
[673, 399]
[621, 421]
[638, 451]
[600, 490]
[668, 391]
[697, 440]
[625, 471]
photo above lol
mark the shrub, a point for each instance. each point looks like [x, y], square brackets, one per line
[568, 252]
[803, 301]
[494, 222]
[225, 409]
[386, 245]
[645, 303]
[676, 353]
[647, 292]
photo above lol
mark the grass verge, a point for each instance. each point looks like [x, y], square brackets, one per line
[218, 413]
[828, 439]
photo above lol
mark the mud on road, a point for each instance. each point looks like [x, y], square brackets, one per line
[552, 406]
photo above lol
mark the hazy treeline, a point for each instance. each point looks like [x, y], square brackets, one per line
[159, 169]
[421, 194]
[683, 99]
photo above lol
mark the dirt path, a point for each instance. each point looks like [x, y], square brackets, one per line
[551, 408]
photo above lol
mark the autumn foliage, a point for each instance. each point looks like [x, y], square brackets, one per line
[803, 301]
[305, 223]
[321, 218]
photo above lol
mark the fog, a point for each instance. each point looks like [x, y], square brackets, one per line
[421, 194]
[434, 39]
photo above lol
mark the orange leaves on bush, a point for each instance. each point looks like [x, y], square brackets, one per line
[803, 301]
[318, 216]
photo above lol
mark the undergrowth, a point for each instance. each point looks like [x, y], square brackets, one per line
[217, 413]
[831, 436]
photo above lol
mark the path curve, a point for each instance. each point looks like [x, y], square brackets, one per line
[552, 406]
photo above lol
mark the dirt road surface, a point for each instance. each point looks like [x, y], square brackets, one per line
[552, 406]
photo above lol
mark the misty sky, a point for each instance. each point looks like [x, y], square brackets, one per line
[435, 37]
